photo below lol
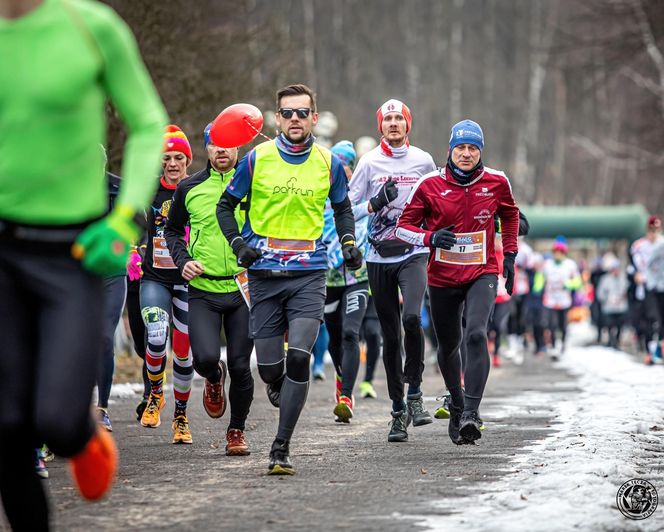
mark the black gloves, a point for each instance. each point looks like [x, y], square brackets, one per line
[352, 255]
[443, 238]
[387, 193]
[508, 271]
[246, 255]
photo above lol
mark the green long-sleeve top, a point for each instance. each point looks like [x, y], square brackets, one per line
[195, 203]
[59, 65]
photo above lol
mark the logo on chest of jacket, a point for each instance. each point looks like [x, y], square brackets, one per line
[445, 193]
[292, 188]
[484, 193]
[483, 216]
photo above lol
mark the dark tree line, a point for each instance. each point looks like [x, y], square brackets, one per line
[570, 94]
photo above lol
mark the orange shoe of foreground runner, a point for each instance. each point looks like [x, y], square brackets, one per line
[94, 469]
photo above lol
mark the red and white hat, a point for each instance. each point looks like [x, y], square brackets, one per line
[394, 106]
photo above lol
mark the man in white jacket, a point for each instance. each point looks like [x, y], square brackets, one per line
[382, 183]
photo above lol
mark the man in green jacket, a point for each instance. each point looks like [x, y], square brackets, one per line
[215, 299]
[61, 61]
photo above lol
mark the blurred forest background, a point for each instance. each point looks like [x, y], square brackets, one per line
[570, 93]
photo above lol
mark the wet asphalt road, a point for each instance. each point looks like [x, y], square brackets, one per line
[348, 476]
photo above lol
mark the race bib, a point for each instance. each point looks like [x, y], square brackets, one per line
[470, 249]
[242, 281]
[161, 258]
[294, 246]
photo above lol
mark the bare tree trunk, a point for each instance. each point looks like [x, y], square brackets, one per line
[559, 173]
[456, 55]
[310, 42]
[542, 29]
[653, 51]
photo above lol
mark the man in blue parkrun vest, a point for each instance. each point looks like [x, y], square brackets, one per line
[287, 181]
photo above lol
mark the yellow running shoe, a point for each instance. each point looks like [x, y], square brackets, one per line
[367, 391]
[181, 432]
[151, 417]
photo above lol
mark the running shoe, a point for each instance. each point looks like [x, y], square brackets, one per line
[274, 392]
[344, 409]
[140, 408]
[151, 416]
[418, 414]
[469, 426]
[94, 468]
[443, 412]
[236, 444]
[280, 463]
[367, 391]
[319, 373]
[496, 361]
[40, 466]
[454, 424]
[647, 360]
[104, 420]
[337, 389]
[214, 394]
[181, 432]
[398, 426]
[46, 454]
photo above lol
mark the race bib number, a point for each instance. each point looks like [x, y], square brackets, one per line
[294, 246]
[470, 249]
[242, 281]
[161, 258]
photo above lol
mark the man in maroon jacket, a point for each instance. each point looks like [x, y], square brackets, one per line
[452, 211]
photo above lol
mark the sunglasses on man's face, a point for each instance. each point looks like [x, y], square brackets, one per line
[301, 112]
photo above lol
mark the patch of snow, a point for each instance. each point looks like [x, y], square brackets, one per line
[607, 434]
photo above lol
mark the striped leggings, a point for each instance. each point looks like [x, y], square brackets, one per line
[161, 305]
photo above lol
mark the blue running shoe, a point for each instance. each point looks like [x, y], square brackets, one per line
[104, 420]
[40, 466]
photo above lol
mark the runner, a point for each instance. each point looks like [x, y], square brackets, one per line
[164, 297]
[60, 62]
[457, 205]
[558, 278]
[215, 300]
[501, 309]
[346, 301]
[288, 180]
[381, 184]
[612, 294]
[644, 307]
[373, 340]
[115, 289]
[136, 325]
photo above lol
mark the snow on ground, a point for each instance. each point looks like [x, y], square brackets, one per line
[608, 434]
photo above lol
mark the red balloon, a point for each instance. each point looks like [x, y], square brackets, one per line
[236, 125]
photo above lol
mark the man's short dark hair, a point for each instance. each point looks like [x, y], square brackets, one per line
[296, 90]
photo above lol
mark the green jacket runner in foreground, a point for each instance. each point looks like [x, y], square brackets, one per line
[59, 63]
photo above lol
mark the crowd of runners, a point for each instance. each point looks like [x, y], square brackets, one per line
[290, 251]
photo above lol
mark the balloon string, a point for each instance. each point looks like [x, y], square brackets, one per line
[256, 130]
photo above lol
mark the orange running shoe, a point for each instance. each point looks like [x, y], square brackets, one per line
[236, 444]
[151, 415]
[94, 468]
[214, 394]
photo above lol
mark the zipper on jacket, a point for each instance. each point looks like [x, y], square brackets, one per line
[467, 221]
[193, 242]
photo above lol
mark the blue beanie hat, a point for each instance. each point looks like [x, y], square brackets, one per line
[345, 151]
[467, 132]
[206, 134]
